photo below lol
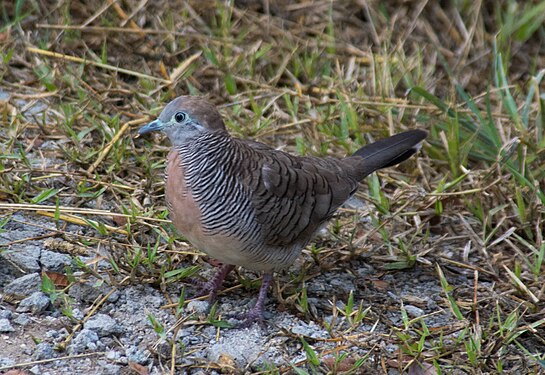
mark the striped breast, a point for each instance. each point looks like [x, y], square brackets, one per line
[210, 202]
[184, 212]
[187, 216]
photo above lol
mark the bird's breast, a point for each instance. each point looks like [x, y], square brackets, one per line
[184, 211]
[187, 217]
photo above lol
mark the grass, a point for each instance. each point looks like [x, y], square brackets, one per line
[313, 78]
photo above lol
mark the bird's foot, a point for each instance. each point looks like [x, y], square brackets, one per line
[254, 315]
[198, 283]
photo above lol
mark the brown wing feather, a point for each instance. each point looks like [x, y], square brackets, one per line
[293, 196]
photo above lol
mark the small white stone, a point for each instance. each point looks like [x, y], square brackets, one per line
[197, 307]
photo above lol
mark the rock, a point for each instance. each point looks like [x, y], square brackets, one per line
[197, 307]
[140, 356]
[77, 314]
[342, 284]
[54, 261]
[35, 303]
[25, 285]
[52, 334]
[113, 355]
[5, 326]
[44, 351]
[26, 258]
[241, 347]
[85, 340]
[4, 362]
[310, 329]
[188, 337]
[88, 292]
[413, 311]
[103, 324]
[22, 319]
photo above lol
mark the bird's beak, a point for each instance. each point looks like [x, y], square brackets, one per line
[151, 127]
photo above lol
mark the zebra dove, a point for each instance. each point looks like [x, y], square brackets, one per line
[247, 204]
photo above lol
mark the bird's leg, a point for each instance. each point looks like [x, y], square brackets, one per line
[255, 314]
[212, 286]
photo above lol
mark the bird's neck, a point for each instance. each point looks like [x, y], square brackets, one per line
[188, 137]
[210, 146]
[209, 162]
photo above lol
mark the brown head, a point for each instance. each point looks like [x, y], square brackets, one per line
[186, 117]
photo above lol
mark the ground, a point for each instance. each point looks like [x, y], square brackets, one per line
[434, 266]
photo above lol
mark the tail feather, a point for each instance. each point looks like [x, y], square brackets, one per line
[390, 151]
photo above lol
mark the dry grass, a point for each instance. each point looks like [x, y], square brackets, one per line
[312, 77]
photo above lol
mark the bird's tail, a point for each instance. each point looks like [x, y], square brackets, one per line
[390, 151]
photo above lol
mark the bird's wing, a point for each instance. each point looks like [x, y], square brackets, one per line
[292, 196]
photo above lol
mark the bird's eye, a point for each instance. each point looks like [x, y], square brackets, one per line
[180, 117]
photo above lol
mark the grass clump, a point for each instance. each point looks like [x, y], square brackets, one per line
[313, 78]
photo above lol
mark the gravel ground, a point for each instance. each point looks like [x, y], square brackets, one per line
[118, 334]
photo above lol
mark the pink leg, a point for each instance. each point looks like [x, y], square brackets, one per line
[255, 314]
[212, 286]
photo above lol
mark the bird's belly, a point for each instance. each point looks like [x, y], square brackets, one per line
[225, 248]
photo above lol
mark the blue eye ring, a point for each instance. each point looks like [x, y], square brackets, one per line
[180, 117]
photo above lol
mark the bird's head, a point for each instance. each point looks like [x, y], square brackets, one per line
[184, 118]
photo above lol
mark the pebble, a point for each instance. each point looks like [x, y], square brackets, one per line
[24, 285]
[54, 261]
[24, 257]
[4, 362]
[44, 351]
[35, 303]
[413, 311]
[85, 340]
[197, 307]
[5, 326]
[22, 319]
[103, 324]
[140, 356]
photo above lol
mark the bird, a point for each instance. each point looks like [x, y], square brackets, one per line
[247, 204]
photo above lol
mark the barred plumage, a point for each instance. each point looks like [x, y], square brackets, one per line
[247, 204]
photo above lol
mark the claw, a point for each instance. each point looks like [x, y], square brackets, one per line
[255, 314]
